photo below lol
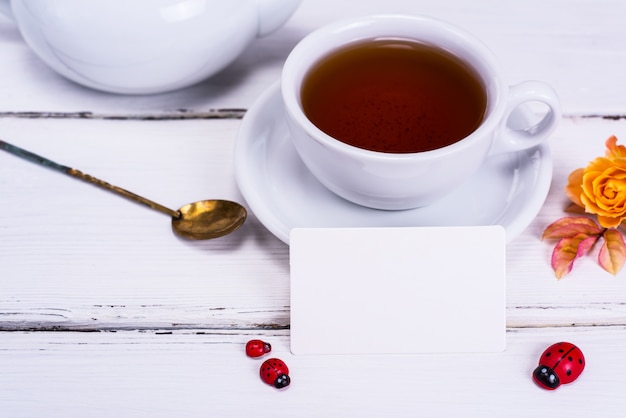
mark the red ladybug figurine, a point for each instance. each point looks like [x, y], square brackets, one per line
[561, 363]
[256, 348]
[275, 372]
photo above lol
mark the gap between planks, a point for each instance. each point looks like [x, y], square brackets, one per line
[187, 114]
[179, 114]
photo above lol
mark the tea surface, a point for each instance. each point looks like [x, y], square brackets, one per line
[395, 96]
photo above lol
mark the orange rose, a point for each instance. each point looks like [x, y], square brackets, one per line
[600, 188]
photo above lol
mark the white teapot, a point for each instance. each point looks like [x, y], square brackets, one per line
[143, 46]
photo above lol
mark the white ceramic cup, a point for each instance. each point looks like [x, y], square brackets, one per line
[403, 181]
[143, 46]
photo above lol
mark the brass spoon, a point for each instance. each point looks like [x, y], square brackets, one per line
[205, 219]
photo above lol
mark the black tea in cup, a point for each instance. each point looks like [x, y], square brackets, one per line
[394, 96]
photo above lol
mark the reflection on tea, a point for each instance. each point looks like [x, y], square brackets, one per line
[395, 96]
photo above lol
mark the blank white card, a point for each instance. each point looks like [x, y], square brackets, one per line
[397, 290]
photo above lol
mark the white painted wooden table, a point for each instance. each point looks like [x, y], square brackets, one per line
[104, 312]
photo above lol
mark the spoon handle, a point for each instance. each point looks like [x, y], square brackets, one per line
[34, 158]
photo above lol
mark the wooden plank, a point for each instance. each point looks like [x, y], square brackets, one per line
[190, 374]
[75, 257]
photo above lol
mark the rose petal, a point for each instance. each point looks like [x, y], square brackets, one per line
[613, 251]
[604, 190]
[614, 151]
[609, 222]
[574, 186]
[608, 192]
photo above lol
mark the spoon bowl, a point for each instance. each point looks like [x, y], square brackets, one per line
[208, 219]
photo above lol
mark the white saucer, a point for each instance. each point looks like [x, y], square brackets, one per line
[508, 190]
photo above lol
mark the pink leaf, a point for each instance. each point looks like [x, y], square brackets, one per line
[613, 251]
[570, 227]
[567, 250]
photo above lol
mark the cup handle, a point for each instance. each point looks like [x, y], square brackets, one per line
[517, 130]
